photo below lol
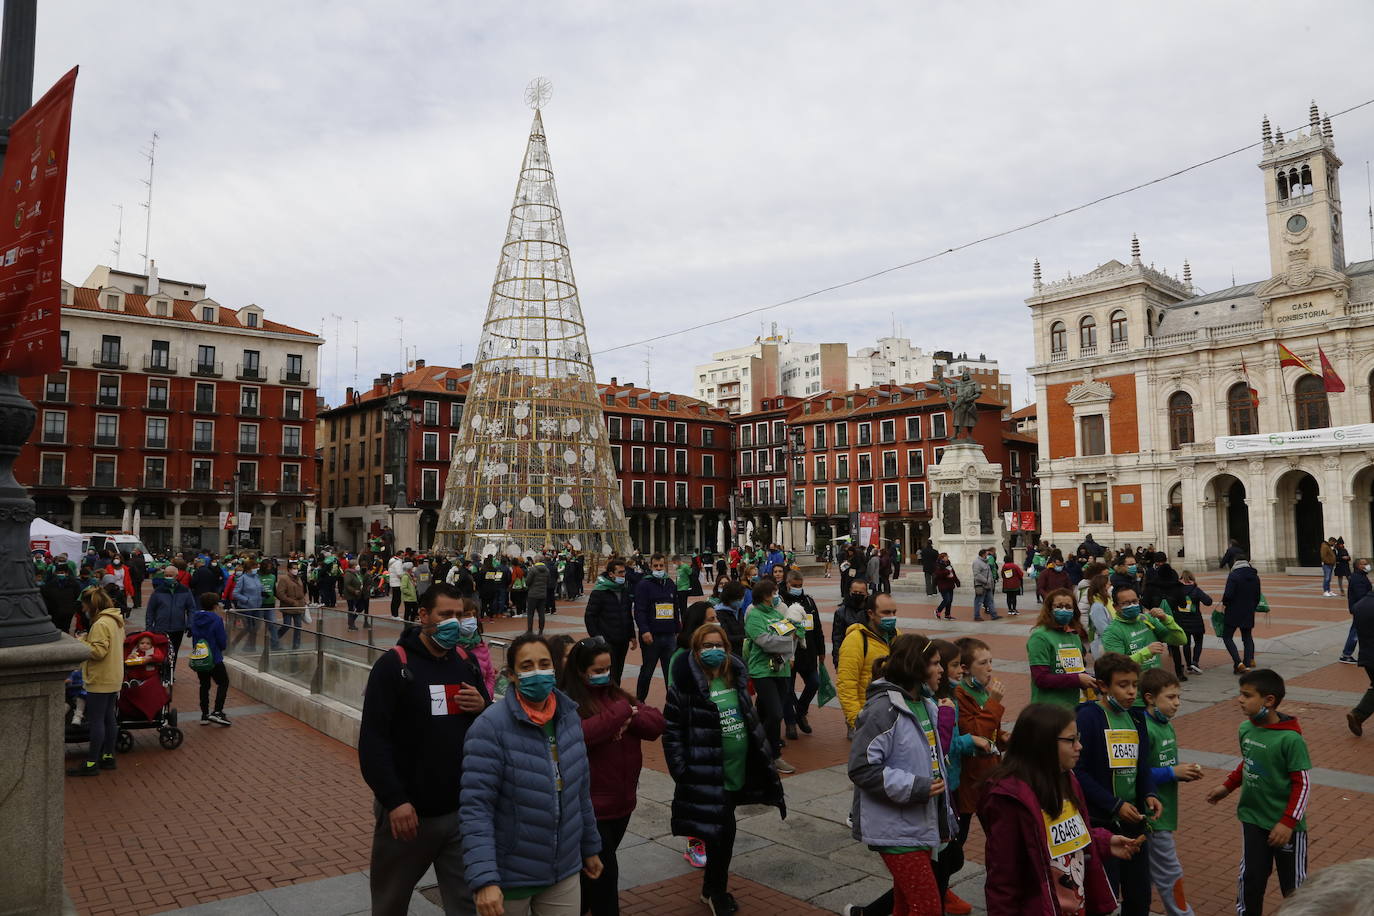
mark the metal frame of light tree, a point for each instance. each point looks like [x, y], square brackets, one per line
[532, 468]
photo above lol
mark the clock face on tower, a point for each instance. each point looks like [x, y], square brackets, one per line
[1297, 223]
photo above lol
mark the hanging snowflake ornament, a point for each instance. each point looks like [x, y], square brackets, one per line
[481, 387]
[491, 470]
[548, 426]
[598, 517]
[541, 391]
[521, 410]
[495, 428]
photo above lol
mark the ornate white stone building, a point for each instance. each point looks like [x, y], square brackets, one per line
[1149, 430]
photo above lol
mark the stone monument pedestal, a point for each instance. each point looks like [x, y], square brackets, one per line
[32, 709]
[405, 525]
[964, 490]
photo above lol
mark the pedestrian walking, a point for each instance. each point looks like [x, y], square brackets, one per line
[291, 602]
[657, 620]
[946, 581]
[983, 585]
[1239, 602]
[864, 643]
[609, 615]
[1013, 580]
[1328, 559]
[770, 646]
[170, 609]
[810, 654]
[208, 641]
[929, 558]
[102, 674]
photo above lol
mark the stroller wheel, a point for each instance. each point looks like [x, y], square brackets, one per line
[170, 738]
[124, 741]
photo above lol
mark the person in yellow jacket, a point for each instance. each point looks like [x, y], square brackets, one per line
[864, 643]
[103, 674]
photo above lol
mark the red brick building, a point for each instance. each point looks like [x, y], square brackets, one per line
[672, 455]
[867, 450]
[163, 399]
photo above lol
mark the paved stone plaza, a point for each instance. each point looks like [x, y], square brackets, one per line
[272, 817]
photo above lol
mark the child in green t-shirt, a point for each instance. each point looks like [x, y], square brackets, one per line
[1274, 791]
[1161, 691]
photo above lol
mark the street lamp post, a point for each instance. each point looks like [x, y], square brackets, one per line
[399, 417]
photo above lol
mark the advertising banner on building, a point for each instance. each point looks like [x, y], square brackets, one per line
[1028, 522]
[1012, 520]
[1359, 435]
[868, 529]
[33, 195]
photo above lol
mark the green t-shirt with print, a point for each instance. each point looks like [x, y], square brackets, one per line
[1271, 754]
[1123, 753]
[734, 736]
[1164, 753]
[1062, 653]
[1130, 638]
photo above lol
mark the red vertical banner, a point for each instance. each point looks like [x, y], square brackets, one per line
[33, 196]
[1028, 522]
[868, 529]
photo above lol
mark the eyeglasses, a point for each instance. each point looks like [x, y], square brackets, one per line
[1074, 739]
[712, 645]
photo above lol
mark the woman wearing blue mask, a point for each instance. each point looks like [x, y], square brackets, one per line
[717, 755]
[613, 725]
[1056, 652]
[526, 839]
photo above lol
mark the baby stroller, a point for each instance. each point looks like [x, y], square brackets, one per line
[145, 700]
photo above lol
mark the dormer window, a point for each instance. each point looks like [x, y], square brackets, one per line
[111, 302]
[162, 308]
[207, 313]
[252, 319]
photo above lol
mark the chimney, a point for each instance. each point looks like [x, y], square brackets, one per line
[613, 381]
[152, 278]
[419, 364]
[385, 380]
[348, 396]
[467, 365]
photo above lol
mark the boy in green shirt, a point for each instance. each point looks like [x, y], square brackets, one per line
[1274, 792]
[1162, 694]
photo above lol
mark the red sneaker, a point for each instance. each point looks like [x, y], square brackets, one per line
[955, 905]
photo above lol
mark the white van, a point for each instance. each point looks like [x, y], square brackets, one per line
[126, 544]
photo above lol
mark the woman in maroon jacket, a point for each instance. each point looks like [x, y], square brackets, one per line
[1043, 858]
[613, 725]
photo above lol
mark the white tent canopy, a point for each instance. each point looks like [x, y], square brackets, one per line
[55, 539]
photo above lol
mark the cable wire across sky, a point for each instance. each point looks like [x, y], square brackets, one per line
[960, 247]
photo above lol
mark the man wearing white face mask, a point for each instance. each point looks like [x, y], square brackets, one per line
[421, 698]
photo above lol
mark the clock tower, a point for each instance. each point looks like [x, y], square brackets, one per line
[1302, 200]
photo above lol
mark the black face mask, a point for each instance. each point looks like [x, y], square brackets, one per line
[855, 601]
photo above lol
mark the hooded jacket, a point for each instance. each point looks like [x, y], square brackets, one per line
[103, 672]
[845, 617]
[410, 743]
[615, 757]
[518, 829]
[946, 579]
[1241, 596]
[890, 766]
[62, 596]
[208, 626]
[860, 649]
[982, 576]
[1021, 885]
[1050, 579]
[608, 612]
[1095, 776]
[537, 581]
[170, 608]
[692, 751]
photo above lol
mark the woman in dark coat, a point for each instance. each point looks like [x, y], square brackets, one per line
[717, 755]
[1341, 571]
[1238, 602]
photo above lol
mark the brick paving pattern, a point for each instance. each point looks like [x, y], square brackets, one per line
[271, 802]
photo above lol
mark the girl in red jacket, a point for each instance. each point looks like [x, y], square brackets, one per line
[613, 725]
[1043, 858]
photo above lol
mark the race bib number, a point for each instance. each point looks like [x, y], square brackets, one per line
[934, 754]
[493, 576]
[810, 623]
[1071, 660]
[1123, 748]
[663, 610]
[1067, 835]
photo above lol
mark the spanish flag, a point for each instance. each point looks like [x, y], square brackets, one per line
[1288, 358]
[1330, 380]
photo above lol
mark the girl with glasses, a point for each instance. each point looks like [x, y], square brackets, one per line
[1042, 856]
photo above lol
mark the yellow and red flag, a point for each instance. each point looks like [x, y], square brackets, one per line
[1330, 380]
[1288, 358]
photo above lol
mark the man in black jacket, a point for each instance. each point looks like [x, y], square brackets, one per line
[421, 698]
[854, 609]
[62, 595]
[608, 614]
[810, 653]
[929, 557]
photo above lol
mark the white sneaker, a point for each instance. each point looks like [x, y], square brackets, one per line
[784, 767]
[1194, 669]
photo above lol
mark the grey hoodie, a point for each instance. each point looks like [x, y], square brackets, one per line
[890, 766]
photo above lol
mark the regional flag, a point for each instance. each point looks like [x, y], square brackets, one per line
[1288, 358]
[1254, 394]
[1331, 381]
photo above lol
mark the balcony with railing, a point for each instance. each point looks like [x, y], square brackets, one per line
[160, 363]
[250, 410]
[1119, 346]
[203, 445]
[109, 361]
[202, 482]
[293, 485]
[155, 443]
[54, 437]
[864, 474]
[208, 370]
[71, 356]
[890, 473]
[249, 373]
[297, 377]
[106, 440]
[155, 480]
[892, 506]
[51, 477]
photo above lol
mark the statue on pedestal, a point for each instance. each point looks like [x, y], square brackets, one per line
[962, 398]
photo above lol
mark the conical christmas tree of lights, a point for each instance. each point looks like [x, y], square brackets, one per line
[532, 466]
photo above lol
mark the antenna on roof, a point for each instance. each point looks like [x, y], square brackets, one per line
[355, 354]
[148, 205]
[338, 334]
[1369, 192]
[648, 357]
[119, 235]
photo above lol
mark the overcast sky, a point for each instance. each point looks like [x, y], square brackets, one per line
[358, 159]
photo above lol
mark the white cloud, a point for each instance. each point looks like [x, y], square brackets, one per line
[358, 158]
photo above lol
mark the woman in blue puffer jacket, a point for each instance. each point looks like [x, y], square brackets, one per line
[527, 819]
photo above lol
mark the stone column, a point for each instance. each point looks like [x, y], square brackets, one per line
[672, 535]
[906, 541]
[126, 521]
[177, 502]
[309, 528]
[696, 531]
[225, 505]
[267, 505]
[78, 500]
[1195, 546]
[652, 519]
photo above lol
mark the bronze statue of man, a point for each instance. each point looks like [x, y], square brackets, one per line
[962, 398]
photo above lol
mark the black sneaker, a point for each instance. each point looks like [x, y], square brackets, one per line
[721, 904]
[89, 768]
[219, 718]
[107, 762]
[205, 719]
[804, 725]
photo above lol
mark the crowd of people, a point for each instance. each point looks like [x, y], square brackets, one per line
[519, 798]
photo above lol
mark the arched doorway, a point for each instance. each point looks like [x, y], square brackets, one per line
[1362, 512]
[1298, 527]
[1225, 515]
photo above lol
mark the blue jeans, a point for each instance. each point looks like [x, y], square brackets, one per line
[250, 624]
[1351, 642]
[1247, 643]
[1326, 577]
[981, 603]
[946, 601]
